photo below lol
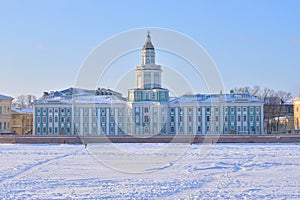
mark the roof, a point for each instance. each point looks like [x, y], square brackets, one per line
[5, 97]
[22, 110]
[216, 98]
[148, 44]
[81, 96]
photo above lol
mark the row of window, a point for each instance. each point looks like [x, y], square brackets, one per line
[50, 110]
[4, 109]
[208, 118]
[216, 129]
[216, 109]
[50, 119]
[51, 130]
[5, 125]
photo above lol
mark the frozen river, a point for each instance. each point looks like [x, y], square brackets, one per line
[150, 171]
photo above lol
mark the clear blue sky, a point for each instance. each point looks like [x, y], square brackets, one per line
[43, 43]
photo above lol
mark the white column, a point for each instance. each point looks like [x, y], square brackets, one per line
[203, 124]
[107, 121]
[81, 121]
[176, 120]
[98, 121]
[261, 119]
[90, 121]
[185, 115]
[194, 120]
[116, 120]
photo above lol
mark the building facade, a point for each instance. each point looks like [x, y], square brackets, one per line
[296, 102]
[148, 109]
[5, 114]
[22, 121]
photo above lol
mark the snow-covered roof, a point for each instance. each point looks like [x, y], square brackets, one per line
[5, 97]
[215, 98]
[22, 110]
[81, 96]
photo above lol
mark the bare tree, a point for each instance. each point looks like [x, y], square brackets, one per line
[24, 101]
[255, 90]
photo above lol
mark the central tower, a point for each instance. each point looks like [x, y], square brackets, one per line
[148, 77]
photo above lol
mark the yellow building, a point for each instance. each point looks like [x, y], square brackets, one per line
[22, 121]
[297, 113]
[5, 114]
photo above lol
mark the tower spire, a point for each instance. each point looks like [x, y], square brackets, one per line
[148, 52]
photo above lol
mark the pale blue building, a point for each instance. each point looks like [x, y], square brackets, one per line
[147, 110]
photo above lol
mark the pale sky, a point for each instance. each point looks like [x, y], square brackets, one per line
[43, 43]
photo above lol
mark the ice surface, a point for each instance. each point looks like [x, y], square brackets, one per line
[165, 171]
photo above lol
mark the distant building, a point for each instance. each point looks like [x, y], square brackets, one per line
[297, 113]
[279, 116]
[5, 114]
[22, 121]
[148, 110]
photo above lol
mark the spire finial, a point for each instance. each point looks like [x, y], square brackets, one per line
[148, 33]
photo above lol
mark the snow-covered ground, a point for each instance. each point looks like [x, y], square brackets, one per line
[150, 171]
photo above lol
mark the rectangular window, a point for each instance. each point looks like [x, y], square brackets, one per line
[239, 118]
[245, 118]
[55, 129]
[257, 118]
[0, 125]
[207, 109]
[146, 109]
[137, 119]
[146, 119]
[190, 129]
[50, 119]
[44, 119]
[207, 118]
[199, 118]
[172, 118]
[217, 118]
[180, 118]
[251, 118]
[172, 129]
[232, 109]
[190, 118]
[55, 119]
[86, 120]
[231, 118]
[226, 119]
[172, 110]
[181, 129]
[112, 118]
[50, 129]
[62, 120]
[38, 119]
